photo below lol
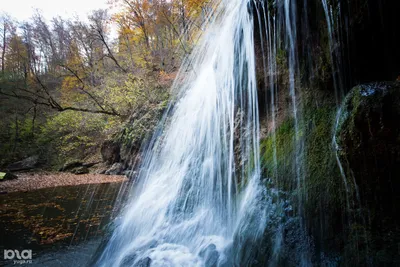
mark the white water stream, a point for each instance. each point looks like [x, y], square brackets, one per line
[199, 186]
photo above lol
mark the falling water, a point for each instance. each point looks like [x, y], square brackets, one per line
[270, 69]
[199, 187]
[351, 187]
[333, 20]
[291, 34]
[336, 150]
[330, 21]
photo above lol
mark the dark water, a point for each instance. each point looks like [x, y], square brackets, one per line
[62, 226]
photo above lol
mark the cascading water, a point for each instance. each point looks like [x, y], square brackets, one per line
[199, 199]
[335, 53]
[215, 187]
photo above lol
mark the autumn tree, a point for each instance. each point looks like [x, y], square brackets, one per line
[70, 83]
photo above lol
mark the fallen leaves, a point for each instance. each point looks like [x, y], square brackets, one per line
[61, 215]
[29, 181]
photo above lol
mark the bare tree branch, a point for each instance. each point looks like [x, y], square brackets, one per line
[83, 86]
[58, 107]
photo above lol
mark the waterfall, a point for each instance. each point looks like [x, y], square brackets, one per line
[199, 198]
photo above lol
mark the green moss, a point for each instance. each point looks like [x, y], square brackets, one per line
[356, 223]
[279, 168]
[323, 180]
[322, 190]
[319, 163]
[368, 136]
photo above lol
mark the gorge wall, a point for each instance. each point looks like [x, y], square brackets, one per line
[348, 190]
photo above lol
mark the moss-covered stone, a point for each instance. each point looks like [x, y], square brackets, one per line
[7, 176]
[80, 170]
[369, 140]
[277, 152]
[320, 197]
[110, 152]
[351, 216]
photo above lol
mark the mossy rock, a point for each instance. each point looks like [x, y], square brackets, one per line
[25, 164]
[277, 152]
[321, 193]
[7, 176]
[369, 141]
[80, 170]
[70, 165]
[110, 152]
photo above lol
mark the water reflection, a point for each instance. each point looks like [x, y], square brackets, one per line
[57, 223]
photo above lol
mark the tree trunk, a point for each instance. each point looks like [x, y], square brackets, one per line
[34, 120]
[16, 133]
[3, 52]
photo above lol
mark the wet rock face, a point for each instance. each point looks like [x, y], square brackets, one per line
[116, 169]
[369, 139]
[110, 152]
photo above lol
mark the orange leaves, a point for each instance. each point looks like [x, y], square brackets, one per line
[29, 182]
[166, 79]
[155, 32]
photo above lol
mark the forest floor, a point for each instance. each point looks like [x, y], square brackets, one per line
[34, 181]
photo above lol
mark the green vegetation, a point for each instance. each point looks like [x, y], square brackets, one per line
[283, 171]
[320, 170]
[369, 140]
[322, 190]
[356, 223]
[68, 85]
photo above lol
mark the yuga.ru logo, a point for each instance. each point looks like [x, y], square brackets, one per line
[18, 257]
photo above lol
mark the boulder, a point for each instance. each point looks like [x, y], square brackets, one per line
[146, 262]
[369, 148]
[131, 260]
[68, 166]
[24, 165]
[7, 176]
[80, 170]
[116, 169]
[110, 152]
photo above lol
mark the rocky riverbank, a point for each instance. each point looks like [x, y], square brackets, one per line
[39, 180]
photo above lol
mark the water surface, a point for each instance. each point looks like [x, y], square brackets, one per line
[63, 226]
